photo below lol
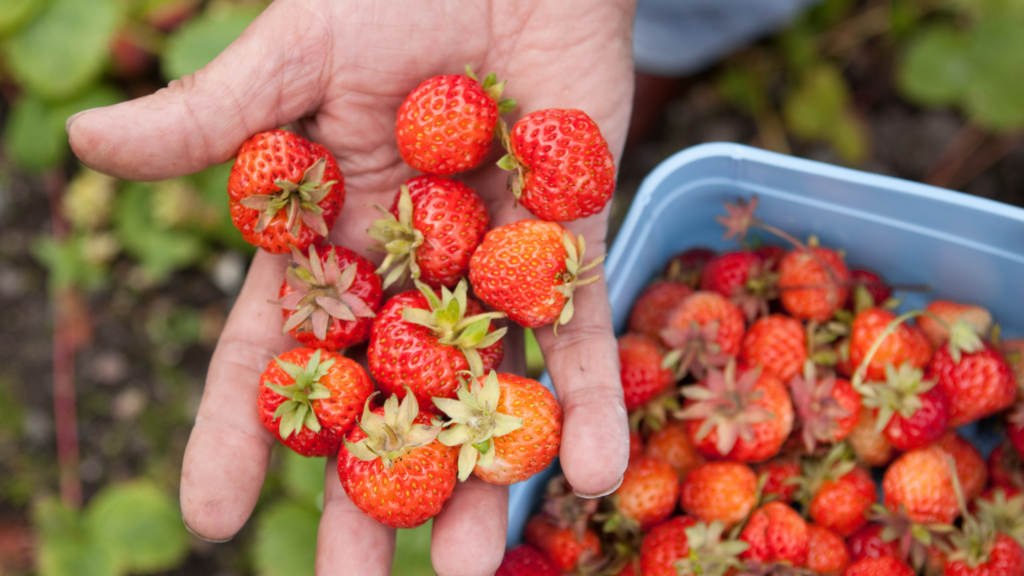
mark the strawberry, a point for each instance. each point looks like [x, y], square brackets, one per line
[1003, 510]
[813, 283]
[870, 445]
[746, 418]
[771, 255]
[672, 444]
[986, 554]
[422, 342]
[949, 312]
[309, 399]
[562, 167]
[647, 495]
[826, 552]
[652, 307]
[329, 301]
[741, 277]
[1015, 426]
[778, 344]
[979, 383]
[525, 560]
[393, 468]
[431, 231]
[842, 504]
[884, 566]
[828, 408]
[529, 270]
[779, 474]
[687, 267]
[723, 491]
[284, 191]
[664, 545]
[912, 412]
[868, 543]
[873, 284]
[970, 466]
[636, 444]
[640, 370]
[922, 482]
[905, 344]
[776, 534]
[446, 124]
[509, 427]
[1004, 467]
[560, 544]
[702, 331]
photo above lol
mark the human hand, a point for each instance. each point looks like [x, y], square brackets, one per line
[337, 72]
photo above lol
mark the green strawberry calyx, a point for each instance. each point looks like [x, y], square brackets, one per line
[494, 89]
[399, 238]
[815, 471]
[320, 292]
[475, 422]
[1005, 514]
[709, 553]
[297, 412]
[570, 277]
[301, 199]
[393, 434]
[510, 162]
[899, 394]
[447, 320]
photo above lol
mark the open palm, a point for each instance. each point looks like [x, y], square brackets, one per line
[337, 71]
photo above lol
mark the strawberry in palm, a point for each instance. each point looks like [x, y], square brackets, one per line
[432, 229]
[563, 168]
[330, 301]
[393, 468]
[530, 270]
[509, 428]
[447, 123]
[309, 399]
[284, 191]
[421, 342]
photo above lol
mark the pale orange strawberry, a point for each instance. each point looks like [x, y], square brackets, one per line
[813, 283]
[776, 533]
[906, 345]
[949, 312]
[673, 445]
[826, 552]
[970, 466]
[723, 491]
[922, 482]
[869, 444]
[652, 307]
[778, 344]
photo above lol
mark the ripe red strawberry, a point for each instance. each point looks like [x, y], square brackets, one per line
[970, 466]
[979, 385]
[672, 444]
[986, 554]
[813, 283]
[743, 278]
[778, 344]
[779, 474]
[525, 560]
[663, 546]
[329, 301]
[1004, 467]
[687, 267]
[641, 373]
[913, 411]
[776, 533]
[873, 284]
[309, 399]
[431, 231]
[841, 504]
[422, 342]
[723, 491]
[826, 552]
[746, 418]
[560, 544]
[828, 408]
[884, 566]
[393, 468]
[564, 169]
[284, 191]
[906, 344]
[771, 255]
[446, 124]
[922, 481]
[509, 427]
[647, 495]
[702, 332]
[529, 270]
[976, 317]
[636, 444]
[868, 543]
[654, 304]
[870, 445]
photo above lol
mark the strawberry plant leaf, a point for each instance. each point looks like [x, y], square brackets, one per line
[286, 539]
[159, 250]
[14, 13]
[995, 96]
[196, 43]
[59, 53]
[819, 109]
[937, 69]
[140, 524]
[68, 265]
[303, 478]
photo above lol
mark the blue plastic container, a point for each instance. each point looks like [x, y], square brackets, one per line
[967, 248]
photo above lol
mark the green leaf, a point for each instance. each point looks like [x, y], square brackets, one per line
[35, 136]
[140, 524]
[64, 548]
[995, 96]
[412, 552]
[304, 478]
[200, 40]
[819, 109]
[65, 48]
[534, 356]
[160, 251]
[286, 540]
[743, 88]
[14, 13]
[213, 187]
[68, 265]
[937, 68]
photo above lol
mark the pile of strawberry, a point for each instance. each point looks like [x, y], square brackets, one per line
[768, 389]
[433, 351]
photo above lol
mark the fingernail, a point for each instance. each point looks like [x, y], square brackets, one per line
[197, 534]
[598, 495]
[71, 119]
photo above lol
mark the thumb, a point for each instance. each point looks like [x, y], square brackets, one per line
[266, 78]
